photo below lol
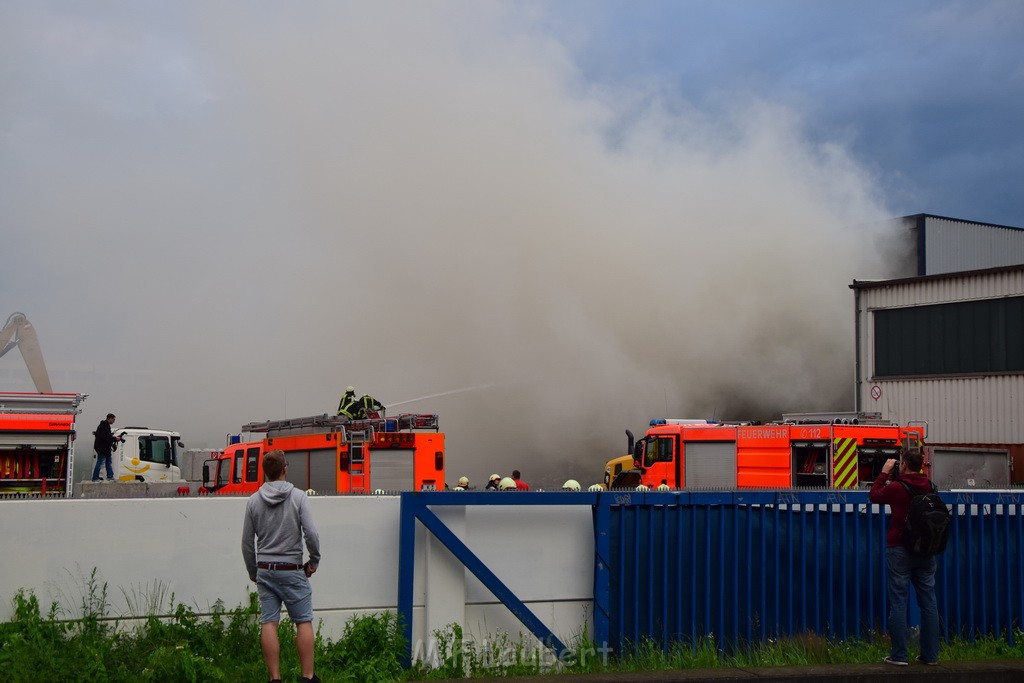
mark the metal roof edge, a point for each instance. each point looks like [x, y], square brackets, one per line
[963, 220]
[870, 284]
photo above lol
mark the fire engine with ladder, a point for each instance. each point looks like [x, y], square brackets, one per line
[803, 450]
[336, 454]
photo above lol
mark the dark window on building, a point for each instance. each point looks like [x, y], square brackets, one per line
[967, 337]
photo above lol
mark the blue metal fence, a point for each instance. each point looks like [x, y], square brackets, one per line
[748, 566]
[745, 566]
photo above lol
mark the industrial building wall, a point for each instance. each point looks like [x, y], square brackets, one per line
[142, 549]
[951, 245]
[960, 409]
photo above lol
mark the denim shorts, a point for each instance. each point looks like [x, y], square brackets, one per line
[290, 587]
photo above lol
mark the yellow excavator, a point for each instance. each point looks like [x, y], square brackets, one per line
[18, 331]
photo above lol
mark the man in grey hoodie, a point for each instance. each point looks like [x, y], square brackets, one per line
[277, 518]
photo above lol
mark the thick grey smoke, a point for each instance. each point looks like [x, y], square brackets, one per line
[221, 215]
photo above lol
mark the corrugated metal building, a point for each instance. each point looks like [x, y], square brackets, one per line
[947, 347]
[949, 245]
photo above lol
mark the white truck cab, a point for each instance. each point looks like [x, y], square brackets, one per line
[145, 454]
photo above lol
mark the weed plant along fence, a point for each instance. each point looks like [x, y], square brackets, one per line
[41, 645]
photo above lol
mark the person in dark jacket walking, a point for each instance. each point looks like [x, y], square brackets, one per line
[902, 567]
[104, 444]
[277, 519]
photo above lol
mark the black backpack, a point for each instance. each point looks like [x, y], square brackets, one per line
[927, 527]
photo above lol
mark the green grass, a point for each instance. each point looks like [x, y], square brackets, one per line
[224, 646]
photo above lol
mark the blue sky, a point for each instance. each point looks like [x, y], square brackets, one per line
[221, 212]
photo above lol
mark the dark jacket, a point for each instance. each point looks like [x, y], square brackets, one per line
[368, 404]
[104, 442]
[348, 406]
[886, 491]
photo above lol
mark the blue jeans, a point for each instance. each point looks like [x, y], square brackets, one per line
[96, 470]
[904, 568]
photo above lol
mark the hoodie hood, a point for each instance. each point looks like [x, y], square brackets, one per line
[276, 492]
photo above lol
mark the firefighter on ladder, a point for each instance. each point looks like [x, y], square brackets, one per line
[349, 404]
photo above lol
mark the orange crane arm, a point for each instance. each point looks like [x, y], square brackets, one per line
[18, 331]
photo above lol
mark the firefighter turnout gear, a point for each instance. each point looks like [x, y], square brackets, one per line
[349, 404]
[369, 406]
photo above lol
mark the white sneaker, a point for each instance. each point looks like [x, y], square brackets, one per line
[895, 662]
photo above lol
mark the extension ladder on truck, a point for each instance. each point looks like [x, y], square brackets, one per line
[315, 424]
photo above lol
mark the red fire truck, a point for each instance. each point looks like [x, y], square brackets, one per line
[830, 450]
[334, 454]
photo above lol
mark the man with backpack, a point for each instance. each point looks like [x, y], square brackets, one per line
[917, 532]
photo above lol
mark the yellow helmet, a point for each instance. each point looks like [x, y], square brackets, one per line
[643, 487]
[507, 484]
[463, 482]
[664, 487]
[350, 390]
[571, 485]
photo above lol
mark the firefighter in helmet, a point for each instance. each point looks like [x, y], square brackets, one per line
[349, 404]
[492, 482]
[369, 406]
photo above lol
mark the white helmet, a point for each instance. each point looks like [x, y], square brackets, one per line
[507, 484]
[350, 390]
[493, 477]
[664, 487]
[594, 488]
[463, 482]
[378, 492]
[571, 485]
[310, 492]
[643, 487]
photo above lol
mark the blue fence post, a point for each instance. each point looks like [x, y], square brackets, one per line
[602, 571]
[406, 568]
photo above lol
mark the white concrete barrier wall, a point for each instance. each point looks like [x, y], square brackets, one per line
[191, 547]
